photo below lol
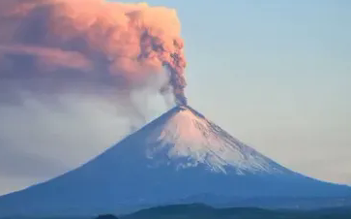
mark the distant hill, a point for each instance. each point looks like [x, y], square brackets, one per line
[292, 202]
[106, 216]
[199, 211]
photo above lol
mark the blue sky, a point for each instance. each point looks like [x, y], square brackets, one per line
[276, 75]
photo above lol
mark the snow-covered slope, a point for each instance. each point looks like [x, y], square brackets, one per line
[179, 155]
[186, 139]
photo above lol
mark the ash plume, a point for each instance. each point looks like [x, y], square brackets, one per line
[55, 45]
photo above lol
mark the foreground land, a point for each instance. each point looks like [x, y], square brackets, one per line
[205, 212]
[200, 211]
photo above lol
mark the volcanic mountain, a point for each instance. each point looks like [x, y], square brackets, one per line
[177, 156]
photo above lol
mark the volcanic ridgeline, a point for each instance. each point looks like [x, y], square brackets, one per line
[178, 156]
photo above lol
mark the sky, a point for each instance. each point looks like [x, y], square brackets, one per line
[275, 75]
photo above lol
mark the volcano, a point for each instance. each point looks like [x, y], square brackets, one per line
[177, 156]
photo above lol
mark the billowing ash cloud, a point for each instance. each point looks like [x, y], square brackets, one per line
[60, 43]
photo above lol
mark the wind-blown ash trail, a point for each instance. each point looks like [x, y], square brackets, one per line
[122, 45]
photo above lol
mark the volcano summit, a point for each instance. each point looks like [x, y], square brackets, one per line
[179, 155]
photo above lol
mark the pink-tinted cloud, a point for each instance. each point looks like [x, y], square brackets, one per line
[123, 45]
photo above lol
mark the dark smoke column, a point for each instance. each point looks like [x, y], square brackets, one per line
[172, 59]
[177, 79]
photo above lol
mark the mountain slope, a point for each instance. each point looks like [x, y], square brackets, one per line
[179, 155]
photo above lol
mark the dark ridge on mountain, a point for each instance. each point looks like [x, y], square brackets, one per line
[179, 155]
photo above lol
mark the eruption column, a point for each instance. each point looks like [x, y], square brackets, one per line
[123, 45]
